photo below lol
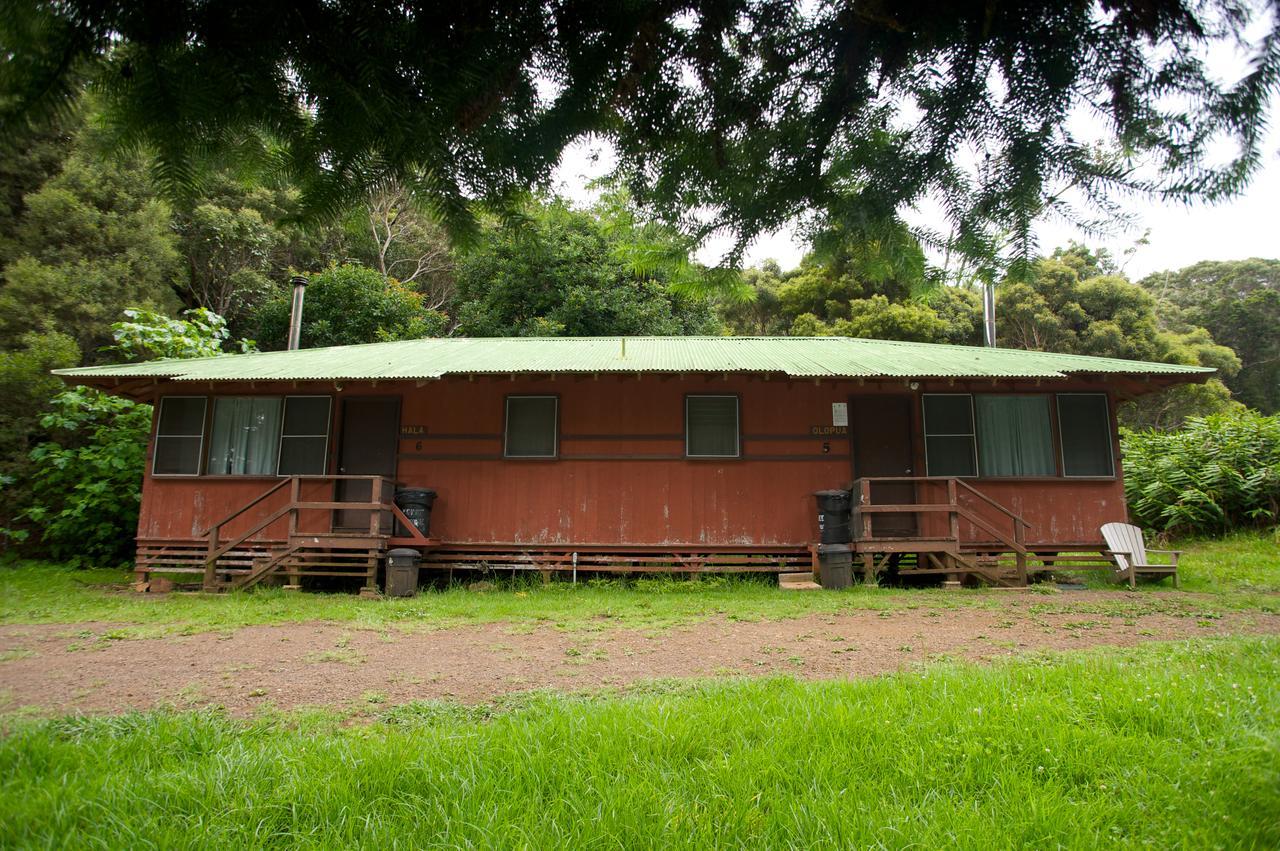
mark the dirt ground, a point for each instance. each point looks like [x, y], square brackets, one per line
[62, 668]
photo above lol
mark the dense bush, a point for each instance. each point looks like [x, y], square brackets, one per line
[87, 481]
[1215, 474]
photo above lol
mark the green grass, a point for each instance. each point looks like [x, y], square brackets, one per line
[1239, 563]
[1164, 746]
[1242, 571]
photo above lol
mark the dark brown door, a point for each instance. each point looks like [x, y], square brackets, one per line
[370, 437]
[880, 438]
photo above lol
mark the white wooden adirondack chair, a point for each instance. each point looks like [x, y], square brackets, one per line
[1130, 553]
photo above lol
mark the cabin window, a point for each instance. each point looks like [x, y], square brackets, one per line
[304, 438]
[245, 436]
[179, 436]
[711, 427]
[949, 442]
[1015, 437]
[1085, 425]
[531, 426]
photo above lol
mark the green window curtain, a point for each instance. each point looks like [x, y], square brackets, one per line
[531, 426]
[711, 427]
[1014, 436]
[1085, 426]
[245, 436]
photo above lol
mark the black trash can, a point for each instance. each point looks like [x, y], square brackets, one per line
[835, 566]
[416, 504]
[833, 516]
[402, 572]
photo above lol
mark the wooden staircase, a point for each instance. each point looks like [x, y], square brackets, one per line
[944, 550]
[352, 553]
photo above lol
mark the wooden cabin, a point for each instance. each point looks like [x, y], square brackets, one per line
[628, 454]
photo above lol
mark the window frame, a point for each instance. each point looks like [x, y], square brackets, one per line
[506, 428]
[1062, 450]
[972, 435]
[737, 433]
[204, 428]
[328, 430]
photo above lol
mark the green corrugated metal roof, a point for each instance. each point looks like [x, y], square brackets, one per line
[802, 357]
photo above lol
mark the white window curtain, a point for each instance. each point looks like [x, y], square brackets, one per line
[1014, 436]
[245, 436]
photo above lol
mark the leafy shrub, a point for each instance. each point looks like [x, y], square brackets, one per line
[1216, 474]
[87, 481]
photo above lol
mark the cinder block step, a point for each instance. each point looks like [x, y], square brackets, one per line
[797, 581]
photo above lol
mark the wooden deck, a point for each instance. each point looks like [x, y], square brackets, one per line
[288, 533]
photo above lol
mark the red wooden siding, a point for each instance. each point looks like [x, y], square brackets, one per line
[621, 477]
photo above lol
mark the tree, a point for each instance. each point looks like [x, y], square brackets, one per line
[578, 273]
[1105, 315]
[83, 484]
[345, 305]
[758, 314]
[25, 390]
[91, 241]
[228, 254]
[1239, 303]
[86, 482]
[755, 110]
[403, 243]
[149, 336]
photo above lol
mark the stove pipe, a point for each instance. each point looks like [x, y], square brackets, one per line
[295, 313]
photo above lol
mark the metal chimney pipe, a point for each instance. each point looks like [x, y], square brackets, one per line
[989, 314]
[295, 313]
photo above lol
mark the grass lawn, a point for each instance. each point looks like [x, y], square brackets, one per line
[1242, 571]
[1174, 745]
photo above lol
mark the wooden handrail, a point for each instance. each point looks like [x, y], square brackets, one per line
[991, 502]
[375, 505]
[242, 509]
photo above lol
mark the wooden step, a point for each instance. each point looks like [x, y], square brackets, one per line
[798, 581]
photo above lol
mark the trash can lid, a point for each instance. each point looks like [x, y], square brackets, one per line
[408, 491]
[403, 552]
[835, 493]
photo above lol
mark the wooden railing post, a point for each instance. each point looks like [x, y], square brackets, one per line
[1020, 554]
[868, 523]
[211, 559]
[953, 514]
[295, 496]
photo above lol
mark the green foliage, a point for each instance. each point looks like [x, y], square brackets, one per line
[25, 390]
[759, 313]
[853, 113]
[346, 305]
[1216, 474]
[1238, 301]
[1166, 746]
[149, 336]
[86, 482]
[1073, 302]
[568, 273]
[92, 241]
[877, 318]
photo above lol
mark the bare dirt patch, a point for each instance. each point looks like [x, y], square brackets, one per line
[58, 668]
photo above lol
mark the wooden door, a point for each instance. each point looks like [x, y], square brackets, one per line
[880, 444]
[370, 437]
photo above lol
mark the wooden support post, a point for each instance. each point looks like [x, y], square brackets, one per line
[295, 496]
[869, 568]
[954, 513]
[1020, 538]
[211, 559]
